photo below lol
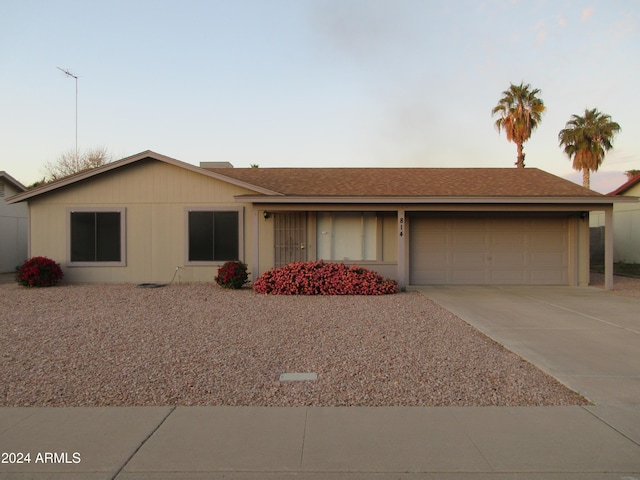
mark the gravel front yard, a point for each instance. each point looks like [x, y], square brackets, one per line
[198, 344]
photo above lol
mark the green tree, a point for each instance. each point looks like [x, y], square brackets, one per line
[519, 112]
[586, 139]
[631, 173]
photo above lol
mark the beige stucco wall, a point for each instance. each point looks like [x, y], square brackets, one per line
[14, 232]
[156, 196]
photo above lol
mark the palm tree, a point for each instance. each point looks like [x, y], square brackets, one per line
[520, 111]
[587, 139]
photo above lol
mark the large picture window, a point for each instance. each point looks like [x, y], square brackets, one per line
[347, 236]
[96, 237]
[213, 235]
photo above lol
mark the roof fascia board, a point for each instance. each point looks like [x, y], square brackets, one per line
[26, 195]
[604, 200]
[12, 181]
[441, 208]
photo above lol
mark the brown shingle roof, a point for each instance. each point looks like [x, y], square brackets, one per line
[408, 182]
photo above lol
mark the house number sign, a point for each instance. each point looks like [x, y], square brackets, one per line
[401, 226]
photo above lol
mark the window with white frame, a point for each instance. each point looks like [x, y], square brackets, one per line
[97, 237]
[346, 236]
[213, 235]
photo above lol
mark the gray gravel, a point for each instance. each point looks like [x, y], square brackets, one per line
[622, 286]
[199, 344]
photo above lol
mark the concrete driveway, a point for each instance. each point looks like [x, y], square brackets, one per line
[585, 337]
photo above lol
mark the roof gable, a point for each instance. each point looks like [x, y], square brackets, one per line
[6, 178]
[119, 164]
[621, 190]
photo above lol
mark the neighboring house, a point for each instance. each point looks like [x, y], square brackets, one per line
[14, 224]
[626, 223]
[140, 218]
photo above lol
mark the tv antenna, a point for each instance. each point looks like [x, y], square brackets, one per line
[71, 75]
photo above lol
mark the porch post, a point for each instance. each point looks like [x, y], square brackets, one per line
[402, 260]
[608, 248]
[255, 245]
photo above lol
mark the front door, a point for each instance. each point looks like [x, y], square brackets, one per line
[290, 237]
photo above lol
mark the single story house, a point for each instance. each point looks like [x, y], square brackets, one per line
[626, 223]
[145, 217]
[14, 223]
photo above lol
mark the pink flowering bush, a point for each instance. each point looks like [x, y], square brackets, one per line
[319, 278]
[39, 272]
[232, 275]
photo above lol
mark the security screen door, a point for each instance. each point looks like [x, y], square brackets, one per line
[290, 237]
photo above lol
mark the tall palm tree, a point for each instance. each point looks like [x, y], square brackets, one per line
[520, 111]
[587, 139]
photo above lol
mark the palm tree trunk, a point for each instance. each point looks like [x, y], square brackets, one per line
[520, 162]
[586, 178]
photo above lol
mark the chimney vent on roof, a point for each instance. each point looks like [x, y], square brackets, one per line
[215, 165]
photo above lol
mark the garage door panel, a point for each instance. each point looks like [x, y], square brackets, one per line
[508, 241]
[474, 224]
[489, 250]
[542, 240]
[467, 276]
[550, 276]
[508, 259]
[434, 276]
[468, 259]
[437, 259]
[547, 259]
[438, 240]
[507, 276]
[466, 239]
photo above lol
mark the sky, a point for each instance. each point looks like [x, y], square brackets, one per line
[313, 83]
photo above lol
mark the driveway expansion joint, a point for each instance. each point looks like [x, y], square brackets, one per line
[610, 426]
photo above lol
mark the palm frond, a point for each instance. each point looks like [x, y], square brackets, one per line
[586, 139]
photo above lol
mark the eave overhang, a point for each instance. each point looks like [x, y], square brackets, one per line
[286, 199]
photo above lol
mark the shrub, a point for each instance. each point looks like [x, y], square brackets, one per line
[232, 275]
[320, 278]
[39, 272]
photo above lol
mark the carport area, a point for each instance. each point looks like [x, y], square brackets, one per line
[583, 336]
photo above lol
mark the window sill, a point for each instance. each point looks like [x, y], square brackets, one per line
[96, 264]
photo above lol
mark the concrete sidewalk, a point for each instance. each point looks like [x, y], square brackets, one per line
[596, 442]
[585, 337]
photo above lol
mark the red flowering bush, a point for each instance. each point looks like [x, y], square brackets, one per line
[232, 275]
[39, 272]
[319, 278]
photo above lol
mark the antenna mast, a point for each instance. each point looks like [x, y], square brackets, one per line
[71, 75]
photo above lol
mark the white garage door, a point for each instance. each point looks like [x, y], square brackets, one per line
[488, 250]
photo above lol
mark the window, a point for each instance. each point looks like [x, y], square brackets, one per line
[97, 237]
[347, 235]
[213, 235]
